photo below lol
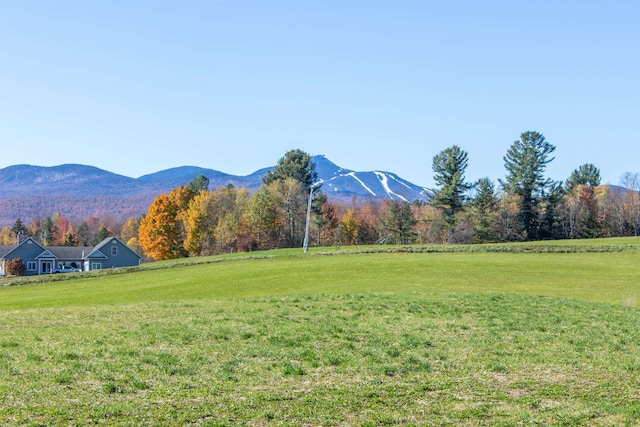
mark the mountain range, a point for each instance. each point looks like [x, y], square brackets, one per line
[80, 191]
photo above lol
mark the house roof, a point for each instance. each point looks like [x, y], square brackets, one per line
[5, 250]
[70, 252]
[97, 255]
[46, 255]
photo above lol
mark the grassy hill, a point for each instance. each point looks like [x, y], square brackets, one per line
[529, 334]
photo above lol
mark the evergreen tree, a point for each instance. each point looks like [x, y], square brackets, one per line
[398, 224]
[102, 234]
[198, 184]
[586, 174]
[548, 211]
[19, 227]
[295, 164]
[525, 162]
[83, 234]
[48, 231]
[591, 226]
[70, 240]
[449, 167]
[484, 207]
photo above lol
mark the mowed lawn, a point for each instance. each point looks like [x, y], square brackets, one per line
[331, 338]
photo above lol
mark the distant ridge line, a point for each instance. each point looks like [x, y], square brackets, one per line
[81, 191]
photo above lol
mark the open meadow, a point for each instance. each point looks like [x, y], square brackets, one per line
[493, 335]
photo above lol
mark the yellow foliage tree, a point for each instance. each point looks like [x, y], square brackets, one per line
[197, 224]
[350, 227]
[214, 220]
[7, 236]
[134, 244]
[130, 230]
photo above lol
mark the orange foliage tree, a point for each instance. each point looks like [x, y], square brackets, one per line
[161, 232]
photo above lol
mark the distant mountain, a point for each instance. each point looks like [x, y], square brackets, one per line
[67, 180]
[344, 183]
[175, 177]
[80, 191]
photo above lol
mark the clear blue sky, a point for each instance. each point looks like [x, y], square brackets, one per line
[135, 87]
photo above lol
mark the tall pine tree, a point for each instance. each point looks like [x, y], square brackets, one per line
[525, 162]
[449, 166]
[295, 164]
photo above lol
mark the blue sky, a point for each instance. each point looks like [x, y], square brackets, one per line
[135, 87]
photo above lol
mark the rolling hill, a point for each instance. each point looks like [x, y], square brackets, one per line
[538, 333]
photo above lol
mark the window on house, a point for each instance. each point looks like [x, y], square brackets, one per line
[96, 266]
[31, 265]
[114, 250]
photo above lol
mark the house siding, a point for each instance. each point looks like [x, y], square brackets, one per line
[28, 251]
[123, 257]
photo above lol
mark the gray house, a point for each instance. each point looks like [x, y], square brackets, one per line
[38, 259]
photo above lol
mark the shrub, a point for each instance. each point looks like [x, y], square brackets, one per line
[15, 267]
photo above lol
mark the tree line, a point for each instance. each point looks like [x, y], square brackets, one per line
[528, 205]
[525, 205]
[58, 230]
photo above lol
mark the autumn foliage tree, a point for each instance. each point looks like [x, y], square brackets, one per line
[631, 181]
[369, 220]
[264, 218]
[325, 220]
[92, 230]
[231, 226]
[199, 224]
[350, 227]
[294, 199]
[130, 229]
[214, 220]
[359, 222]
[7, 236]
[276, 214]
[290, 181]
[162, 229]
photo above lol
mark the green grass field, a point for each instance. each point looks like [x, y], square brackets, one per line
[530, 334]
